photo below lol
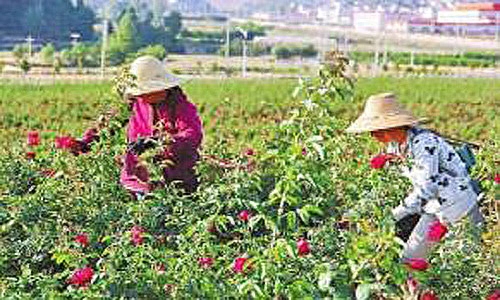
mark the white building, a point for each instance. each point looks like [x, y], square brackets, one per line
[369, 21]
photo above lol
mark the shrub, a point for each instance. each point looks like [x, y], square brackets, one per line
[47, 53]
[157, 51]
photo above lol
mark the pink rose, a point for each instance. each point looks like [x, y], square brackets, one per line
[436, 232]
[82, 239]
[205, 262]
[494, 296]
[64, 142]
[244, 215]
[303, 247]
[429, 296]
[82, 277]
[30, 155]
[418, 264]
[249, 152]
[238, 265]
[379, 161]
[136, 235]
[33, 138]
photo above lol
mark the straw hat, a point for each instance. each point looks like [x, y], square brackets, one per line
[382, 112]
[150, 76]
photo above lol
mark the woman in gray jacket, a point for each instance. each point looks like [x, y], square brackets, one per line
[442, 189]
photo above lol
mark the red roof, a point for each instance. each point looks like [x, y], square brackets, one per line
[479, 6]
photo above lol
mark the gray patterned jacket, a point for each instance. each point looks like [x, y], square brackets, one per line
[441, 183]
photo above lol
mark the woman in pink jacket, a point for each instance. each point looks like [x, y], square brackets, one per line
[161, 118]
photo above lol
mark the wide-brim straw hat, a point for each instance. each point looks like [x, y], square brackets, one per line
[150, 76]
[383, 111]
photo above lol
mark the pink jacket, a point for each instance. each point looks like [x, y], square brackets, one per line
[184, 127]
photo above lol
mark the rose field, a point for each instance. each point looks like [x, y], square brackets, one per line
[288, 206]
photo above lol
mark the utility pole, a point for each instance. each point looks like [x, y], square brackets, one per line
[228, 37]
[244, 71]
[30, 41]
[244, 38]
[104, 46]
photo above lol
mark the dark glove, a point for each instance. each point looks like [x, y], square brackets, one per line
[405, 226]
[141, 145]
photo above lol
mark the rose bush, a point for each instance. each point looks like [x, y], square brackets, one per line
[317, 219]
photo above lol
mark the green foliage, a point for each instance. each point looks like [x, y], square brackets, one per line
[51, 20]
[306, 178]
[253, 49]
[468, 59]
[81, 55]
[47, 53]
[173, 23]
[157, 51]
[254, 29]
[20, 52]
[25, 65]
[289, 51]
[57, 65]
[126, 39]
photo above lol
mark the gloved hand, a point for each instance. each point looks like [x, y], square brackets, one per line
[141, 145]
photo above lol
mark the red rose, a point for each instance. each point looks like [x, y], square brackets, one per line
[244, 215]
[238, 265]
[429, 296]
[303, 247]
[30, 155]
[436, 232]
[160, 269]
[82, 277]
[497, 179]
[249, 152]
[136, 235]
[82, 239]
[418, 264]
[64, 142]
[494, 296]
[33, 138]
[48, 172]
[379, 161]
[205, 262]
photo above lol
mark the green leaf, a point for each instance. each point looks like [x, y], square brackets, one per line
[291, 219]
[313, 209]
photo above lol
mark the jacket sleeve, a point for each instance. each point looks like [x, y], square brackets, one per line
[91, 135]
[424, 174]
[189, 135]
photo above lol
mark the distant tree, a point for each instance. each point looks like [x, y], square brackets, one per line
[83, 21]
[57, 65]
[151, 33]
[25, 65]
[47, 19]
[80, 51]
[173, 23]
[173, 29]
[47, 53]
[157, 51]
[125, 39]
[20, 52]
